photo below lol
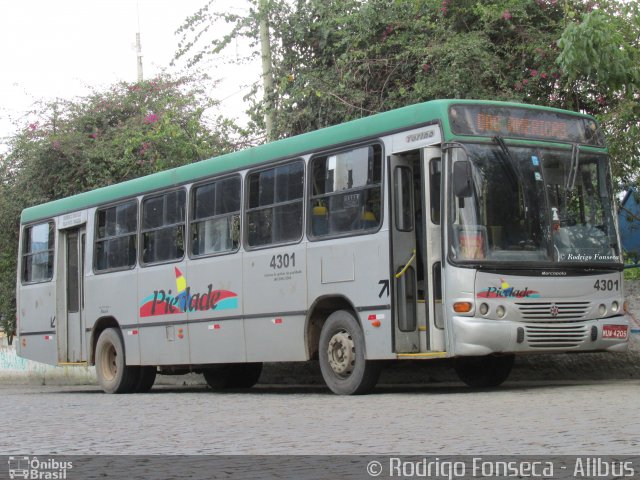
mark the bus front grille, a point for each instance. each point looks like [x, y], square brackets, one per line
[553, 312]
[556, 336]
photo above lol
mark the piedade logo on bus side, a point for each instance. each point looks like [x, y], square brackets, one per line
[165, 302]
[507, 291]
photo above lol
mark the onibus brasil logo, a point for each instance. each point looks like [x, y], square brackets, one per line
[166, 302]
[34, 468]
[507, 291]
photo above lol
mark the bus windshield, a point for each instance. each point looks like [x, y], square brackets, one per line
[531, 204]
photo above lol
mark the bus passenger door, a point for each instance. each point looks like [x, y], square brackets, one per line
[432, 179]
[403, 237]
[70, 328]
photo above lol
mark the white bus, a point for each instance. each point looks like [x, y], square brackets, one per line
[465, 229]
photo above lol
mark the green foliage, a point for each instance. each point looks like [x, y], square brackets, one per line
[620, 119]
[128, 131]
[195, 29]
[124, 132]
[9, 213]
[342, 60]
[336, 60]
[600, 53]
[602, 48]
[632, 273]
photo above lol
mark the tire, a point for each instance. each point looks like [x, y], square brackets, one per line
[483, 372]
[112, 371]
[146, 380]
[236, 375]
[244, 375]
[217, 377]
[342, 355]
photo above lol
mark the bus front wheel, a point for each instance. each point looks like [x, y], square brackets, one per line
[343, 363]
[483, 372]
[114, 375]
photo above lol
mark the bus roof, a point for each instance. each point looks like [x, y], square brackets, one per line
[365, 128]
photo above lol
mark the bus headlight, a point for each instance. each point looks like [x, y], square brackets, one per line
[500, 311]
[484, 309]
[614, 307]
[602, 310]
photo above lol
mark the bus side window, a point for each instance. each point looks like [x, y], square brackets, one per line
[346, 192]
[215, 217]
[274, 213]
[37, 253]
[116, 236]
[163, 218]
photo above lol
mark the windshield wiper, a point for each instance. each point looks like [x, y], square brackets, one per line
[510, 169]
[514, 173]
[573, 168]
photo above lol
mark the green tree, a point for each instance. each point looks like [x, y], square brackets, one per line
[343, 60]
[336, 60]
[123, 132]
[9, 213]
[600, 54]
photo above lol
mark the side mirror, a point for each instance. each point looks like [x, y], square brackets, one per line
[462, 179]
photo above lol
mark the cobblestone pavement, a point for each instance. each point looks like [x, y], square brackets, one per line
[536, 418]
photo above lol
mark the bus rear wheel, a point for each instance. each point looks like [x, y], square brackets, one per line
[114, 375]
[484, 372]
[343, 363]
[236, 375]
[244, 375]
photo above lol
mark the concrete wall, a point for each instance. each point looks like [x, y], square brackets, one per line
[17, 370]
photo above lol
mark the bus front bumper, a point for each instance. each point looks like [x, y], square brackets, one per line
[482, 336]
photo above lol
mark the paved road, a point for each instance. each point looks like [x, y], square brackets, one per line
[585, 418]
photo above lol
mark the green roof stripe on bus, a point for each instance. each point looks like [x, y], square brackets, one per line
[375, 125]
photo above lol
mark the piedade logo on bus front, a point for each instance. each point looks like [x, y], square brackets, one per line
[38, 469]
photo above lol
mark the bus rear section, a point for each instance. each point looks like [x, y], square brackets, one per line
[51, 327]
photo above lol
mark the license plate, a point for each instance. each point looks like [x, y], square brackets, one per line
[614, 331]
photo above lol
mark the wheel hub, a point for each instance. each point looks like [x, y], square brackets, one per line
[341, 353]
[109, 363]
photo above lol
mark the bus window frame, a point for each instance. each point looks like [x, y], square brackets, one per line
[352, 233]
[190, 215]
[137, 234]
[141, 231]
[52, 249]
[246, 210]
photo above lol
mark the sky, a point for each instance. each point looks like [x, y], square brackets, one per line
[65, 48]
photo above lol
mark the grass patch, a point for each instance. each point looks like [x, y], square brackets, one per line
[632, 273]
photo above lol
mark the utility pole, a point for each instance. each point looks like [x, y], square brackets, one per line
[139, 45]
[139, 54]
[267, 74]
